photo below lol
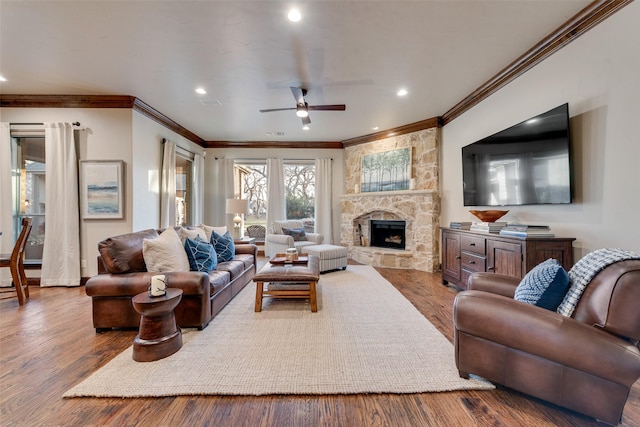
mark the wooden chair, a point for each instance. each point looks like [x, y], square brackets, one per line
[15, 262]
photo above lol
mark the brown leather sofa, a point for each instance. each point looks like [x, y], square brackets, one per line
[586, 363]
[122, 274]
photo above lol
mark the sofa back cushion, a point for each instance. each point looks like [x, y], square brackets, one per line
[290, 224]
[123, 253]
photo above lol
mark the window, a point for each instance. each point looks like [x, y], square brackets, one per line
[28, 165]
[300, 179]
[299, 187]
[184, 194]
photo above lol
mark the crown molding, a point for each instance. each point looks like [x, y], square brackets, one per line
[587, 18]
[147, 110]
[400, 130]
[67, 101]
[274, 144]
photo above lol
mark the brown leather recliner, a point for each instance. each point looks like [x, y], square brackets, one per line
[586, 363]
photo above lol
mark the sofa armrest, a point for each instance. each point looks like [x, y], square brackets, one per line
[250, 250]
[546, 334]
[131, 284]
[280, 239]
[247, 249]
[494, 283]
[315, 237]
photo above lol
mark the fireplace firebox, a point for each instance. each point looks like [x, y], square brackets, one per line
[387, 233]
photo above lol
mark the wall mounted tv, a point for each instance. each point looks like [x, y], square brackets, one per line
[526, 164]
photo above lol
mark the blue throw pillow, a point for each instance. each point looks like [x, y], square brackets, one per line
[545, 285]
[202, 256]
[298, 234]
[223, 245]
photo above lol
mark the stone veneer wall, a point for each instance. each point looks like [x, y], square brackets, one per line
[420, 207]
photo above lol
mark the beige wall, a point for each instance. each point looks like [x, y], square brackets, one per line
[597, 74]
[113, 134]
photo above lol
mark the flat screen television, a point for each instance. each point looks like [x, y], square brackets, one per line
[526, 164]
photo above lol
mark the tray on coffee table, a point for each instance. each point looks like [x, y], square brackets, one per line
[281, 259]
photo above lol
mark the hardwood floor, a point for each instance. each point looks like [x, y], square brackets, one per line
[49, 345]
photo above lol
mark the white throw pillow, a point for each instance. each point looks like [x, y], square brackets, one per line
[192, 233]
[209, 229]
[165, 253]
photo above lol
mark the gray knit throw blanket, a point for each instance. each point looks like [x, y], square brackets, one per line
[586, 269]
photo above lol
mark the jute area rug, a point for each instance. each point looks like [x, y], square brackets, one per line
[365, 338]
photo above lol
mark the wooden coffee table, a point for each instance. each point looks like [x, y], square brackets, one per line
[287, 276]
[158, 336]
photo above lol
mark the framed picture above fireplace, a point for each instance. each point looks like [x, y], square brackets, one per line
[386, 171]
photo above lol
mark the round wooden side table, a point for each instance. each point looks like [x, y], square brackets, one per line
[158, 336]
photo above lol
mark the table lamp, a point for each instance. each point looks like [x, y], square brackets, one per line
[239, 207]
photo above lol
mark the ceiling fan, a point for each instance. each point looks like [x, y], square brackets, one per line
[302, 108]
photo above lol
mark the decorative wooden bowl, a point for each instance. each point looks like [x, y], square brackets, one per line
[490, 215]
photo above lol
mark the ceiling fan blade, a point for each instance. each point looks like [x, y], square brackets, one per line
[306, 120]
[298, 94]
[276, 109]
[332, 107]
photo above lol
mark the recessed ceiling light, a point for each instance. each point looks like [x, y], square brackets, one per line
[375, 128]
[402, 92]
[294, 15]
[305, 127]
[2, 79]
[201, 91]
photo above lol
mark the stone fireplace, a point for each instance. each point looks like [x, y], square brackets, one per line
[418, 209]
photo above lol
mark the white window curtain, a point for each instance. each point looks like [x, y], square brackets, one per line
[168, 186]
[198, 189]
[61, 252]
[276, 208]
[6, 199]
[323, 204]
[223, 182]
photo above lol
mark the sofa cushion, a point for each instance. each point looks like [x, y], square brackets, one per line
[545, 285]
[192, 233]
[235, 268]
[165, 252]
[201, 255]
[298, 234]
[218, 280]
[123, 253]
[224, 246]
[246, 259]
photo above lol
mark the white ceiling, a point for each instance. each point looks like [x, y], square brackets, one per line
[246, 55]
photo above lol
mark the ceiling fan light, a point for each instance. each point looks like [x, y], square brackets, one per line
[302, 112]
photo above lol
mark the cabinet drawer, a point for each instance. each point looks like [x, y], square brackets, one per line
[473, 262]
[473, 244]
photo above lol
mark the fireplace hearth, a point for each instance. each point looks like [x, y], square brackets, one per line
[387, 234]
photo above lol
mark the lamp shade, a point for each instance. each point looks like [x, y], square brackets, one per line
[237, 206]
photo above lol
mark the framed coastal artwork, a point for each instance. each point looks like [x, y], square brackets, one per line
[102, 189]
[386, 171]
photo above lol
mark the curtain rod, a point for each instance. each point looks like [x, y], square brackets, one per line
[188, 151]
[39, 124]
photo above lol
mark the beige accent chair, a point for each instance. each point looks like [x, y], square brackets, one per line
[277, 242]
